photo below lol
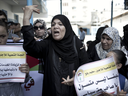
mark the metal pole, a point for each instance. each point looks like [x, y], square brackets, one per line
[60, 6]
[30, 2]
[111, 12]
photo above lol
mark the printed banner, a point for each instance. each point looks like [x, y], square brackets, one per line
[11, 57]
[34, 86]
[93, 78]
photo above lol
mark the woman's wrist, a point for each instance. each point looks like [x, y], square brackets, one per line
[26, 22]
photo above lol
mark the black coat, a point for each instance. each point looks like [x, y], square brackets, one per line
[54, 67]
[93, 55]
[98, 39]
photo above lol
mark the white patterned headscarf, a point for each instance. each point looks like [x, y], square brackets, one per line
[44, 24]
[114, 35]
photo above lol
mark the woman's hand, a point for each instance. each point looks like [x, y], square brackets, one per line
[24, 68]
[37, 39]
[119, 93]
[16, 39]
[28, 10]
[69, 81]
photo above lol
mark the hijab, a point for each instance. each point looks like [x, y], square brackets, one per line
[97, 39]
[65, 47]
[114, 35]
[45, 28]
[98, 34]
[125, 38]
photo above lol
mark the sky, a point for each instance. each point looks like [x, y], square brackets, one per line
[54, 5]
[103, 4]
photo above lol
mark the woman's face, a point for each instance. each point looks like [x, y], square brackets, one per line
[39, 29]
[3, 35]
[106, 42]
[58, 29]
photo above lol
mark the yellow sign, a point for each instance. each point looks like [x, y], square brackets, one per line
[99, 70]
[12, 54]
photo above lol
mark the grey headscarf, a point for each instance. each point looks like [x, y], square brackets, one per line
[44, 24]
[114, 35]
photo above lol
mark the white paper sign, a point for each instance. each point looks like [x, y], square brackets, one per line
[11, 57]
[93, 78]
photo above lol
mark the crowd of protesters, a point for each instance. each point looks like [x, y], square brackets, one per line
[62, 52]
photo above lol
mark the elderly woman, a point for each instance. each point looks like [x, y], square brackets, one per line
[40, 29]
[110, 40]
[62, 52]
[11, 88]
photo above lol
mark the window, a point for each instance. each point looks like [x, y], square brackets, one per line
[65, 4]
[73, 16]
[73, 7]
[16, 18]
[85, 0]
[65, 13]
[126, 4]
[84, 7]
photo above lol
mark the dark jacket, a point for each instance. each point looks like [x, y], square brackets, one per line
[54, 67]
[93, 55]
[97, 40]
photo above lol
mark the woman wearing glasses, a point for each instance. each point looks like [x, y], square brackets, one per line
[40, 29]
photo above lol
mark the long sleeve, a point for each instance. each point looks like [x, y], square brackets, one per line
[83, 56]
[31, 46]
[126, 86]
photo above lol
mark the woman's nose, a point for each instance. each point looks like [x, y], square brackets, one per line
[56, 26]
[104, 41]
[38, 28]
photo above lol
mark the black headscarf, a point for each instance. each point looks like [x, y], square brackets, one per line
[98, 34]
[97, 40]
[65, 47]
[125, 38]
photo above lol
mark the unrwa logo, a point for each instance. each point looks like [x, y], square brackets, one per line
[80, 75]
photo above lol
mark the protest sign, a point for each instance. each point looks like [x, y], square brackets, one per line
[93, 78]
[36, 79]
[11, 57]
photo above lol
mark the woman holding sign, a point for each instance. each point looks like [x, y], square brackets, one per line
[62, 52]
[11, 88]
[110, 40]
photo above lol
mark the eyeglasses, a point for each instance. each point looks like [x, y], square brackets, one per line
[36, 27]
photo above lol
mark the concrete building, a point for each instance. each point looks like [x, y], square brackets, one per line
[13, 9]
[78, 11]
[120, 15]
